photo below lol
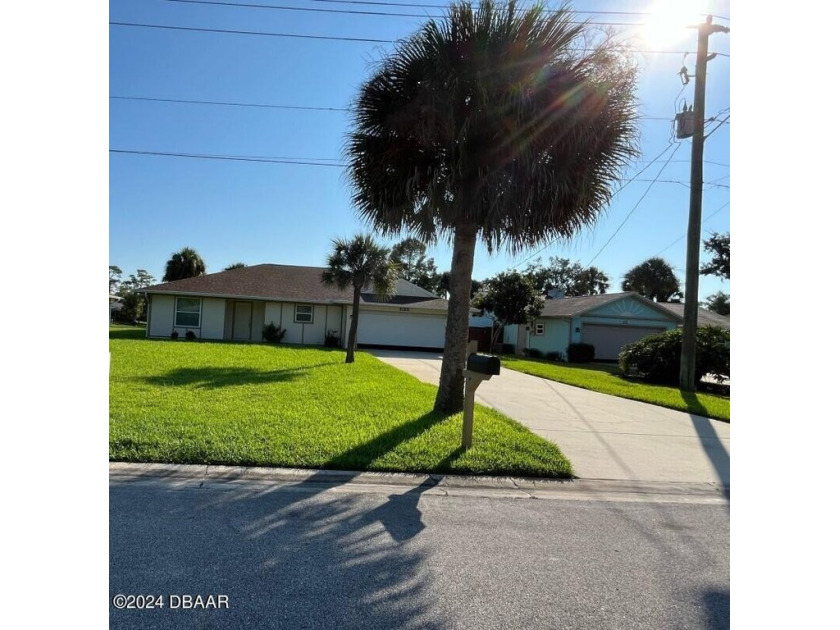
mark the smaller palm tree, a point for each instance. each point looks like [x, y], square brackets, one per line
[184, 264]
[359, 262]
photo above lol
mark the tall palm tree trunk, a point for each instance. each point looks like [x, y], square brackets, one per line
[354, 326]
[450, 395]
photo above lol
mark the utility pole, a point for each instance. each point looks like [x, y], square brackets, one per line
[688, 357]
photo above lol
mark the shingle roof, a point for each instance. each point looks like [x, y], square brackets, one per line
[288, 283]
[574, 306]
[704, 317]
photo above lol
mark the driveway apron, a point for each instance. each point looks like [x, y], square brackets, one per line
[605, 437]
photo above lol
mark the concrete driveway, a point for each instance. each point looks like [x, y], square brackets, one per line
[605, 437]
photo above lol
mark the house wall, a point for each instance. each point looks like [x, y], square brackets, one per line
[161, 313]
[212, 318]
[161, 320]
[555, 337]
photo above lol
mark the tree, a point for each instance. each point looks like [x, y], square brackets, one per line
[572, 278]
[511, 298]
[410, 257]
[496, 123]
[718, 303]
[442, 288]
[718, 246]
[359, 262]
[653, 278]
[184, 264]
[133, 303]
[114, 278]
[236, 265]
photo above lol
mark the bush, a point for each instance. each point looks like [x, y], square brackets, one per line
[554, 356]
[272, 334]
[190, 336]
[174, 335]
[656, 358]
[533, 353]
[580, 352]
[507, 348]
[332, 340]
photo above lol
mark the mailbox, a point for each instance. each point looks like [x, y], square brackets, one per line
[484, 364]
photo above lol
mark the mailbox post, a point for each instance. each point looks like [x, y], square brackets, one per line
[480, 368]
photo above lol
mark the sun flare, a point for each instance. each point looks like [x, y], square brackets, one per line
[668, 21]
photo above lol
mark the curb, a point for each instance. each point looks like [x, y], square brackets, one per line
[581, 489]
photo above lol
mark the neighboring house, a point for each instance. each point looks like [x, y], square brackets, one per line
[704, 316]
[113, 305]
[237, 304]
[608, 322]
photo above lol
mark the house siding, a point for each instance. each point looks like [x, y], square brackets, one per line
[212, 318]
[161, 317]
[555, 337]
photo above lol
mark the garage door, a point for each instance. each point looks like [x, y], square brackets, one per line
[407, 330]
[608, 340]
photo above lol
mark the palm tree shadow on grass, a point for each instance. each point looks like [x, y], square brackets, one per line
[216, 377]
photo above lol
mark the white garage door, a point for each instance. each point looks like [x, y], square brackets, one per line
[608, 340]
[409, 330]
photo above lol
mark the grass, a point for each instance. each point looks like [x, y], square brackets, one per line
[255, 404]
[606, 379]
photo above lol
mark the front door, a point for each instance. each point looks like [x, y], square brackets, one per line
[242, 321]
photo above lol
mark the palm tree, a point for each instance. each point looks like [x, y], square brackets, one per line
[359, 262]
[654, 278]
[184, 264]
[496, 123]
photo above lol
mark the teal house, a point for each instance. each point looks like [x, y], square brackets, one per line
[608, 322]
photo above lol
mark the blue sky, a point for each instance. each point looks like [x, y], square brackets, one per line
[287, 213]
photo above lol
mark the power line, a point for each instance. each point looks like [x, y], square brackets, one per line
[272, 106]
[332, 37]
[629, 214]
[678, 239]
[350, 12]
[235, 158]
[722, 122]
[329, 162]
[230, 104]
[439, 6]
[260, 33]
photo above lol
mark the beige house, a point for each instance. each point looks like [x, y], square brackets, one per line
[236, 305]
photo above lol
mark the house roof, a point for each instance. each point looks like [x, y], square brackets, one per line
[574, 306]
[289, 283]
[704, 317]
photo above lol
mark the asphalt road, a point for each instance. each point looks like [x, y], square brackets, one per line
[331, 555]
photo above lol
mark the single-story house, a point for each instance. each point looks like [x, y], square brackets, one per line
[237, 304]
[608, 322]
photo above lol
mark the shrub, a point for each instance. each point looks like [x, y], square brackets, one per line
[190, 336]
[533, 353]
[174, 335]
[656, 358]
[580, 352]
[332, 340]
[554, 356]
[272, 334]
[507, 348]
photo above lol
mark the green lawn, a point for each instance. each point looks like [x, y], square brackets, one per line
[255, 404]
[606, 379]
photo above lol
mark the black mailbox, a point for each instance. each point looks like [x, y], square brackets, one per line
[484, 364]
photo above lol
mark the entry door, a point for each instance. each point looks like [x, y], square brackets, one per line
[242, 321]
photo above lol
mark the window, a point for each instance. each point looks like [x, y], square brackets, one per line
[188, 312]
[303, 314]
[539, 329]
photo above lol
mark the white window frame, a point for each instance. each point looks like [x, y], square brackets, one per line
[539, 329]
[183, 312]
[310, 314]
